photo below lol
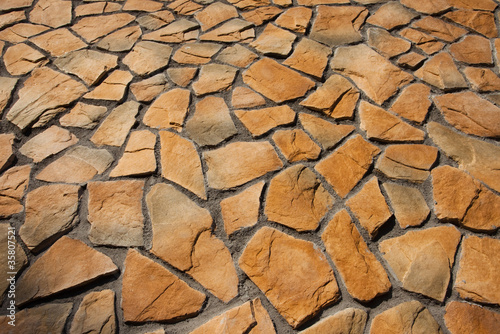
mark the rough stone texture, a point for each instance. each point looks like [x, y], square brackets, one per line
[413, 103]
[479, 21]
[155, 20]
[114, 129]
[309, 57]
[260, 15]
[237, 55]
[6, 88]
[214, 14]
[13, 185]
[139, 156]
[6, 266]
[386, 44]
[297, 292]
[472, 50]
[96, 8]
[427, 6]
[439, 28]
[121, 40]
[295, 19]
[350, 320]
[482, 79]
[52, 13]
[147, 57]
[85, 116]
[325, 133]
[92, 28]
[146, 90]
[21, 32]
[274, 41]
[391, 15]
[423, 41]
[96, 314]
[142, 5]
[50, 142]
[49, 318]
[236, 30]
[411, 60]
[296, 145]
[214, 78]
[246, 98]
[184, 7]
[239, 319]
[260, 121]
[408, 204]
[21, 59]
[58, 42]
[440, 71]
[168, 110]
[196, 53]
[6, 152]
[470, 318]
[112, 88]
[182, 76]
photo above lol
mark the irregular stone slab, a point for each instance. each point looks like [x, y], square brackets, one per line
[156, 20]
[461, 199]
[49, 318]
[168, 110]
[179, 31]
[7, 86]
[10, 18]
[337, 98]
[237, 163]
[181, 163]
[411, 60]
[43, 95]
[14, 4]
[236, 30]
[69, 263]
[413, 103]
[58, 42]
[349, 320]
[6, 153]
[260, 121]
[96, 8]
[298, 293]
[371, 72]
[427, 6]
[297, 199]
[13, 185]
[274, 41]
[296, 145]
[112, 88]
[325, 133]
[115, 128]
[121, 40]
[478, 270]
[115, 213]
[21, 32]
[479, 21]
[472, 50]
[246, 98]
[309, 57]
[146, 90]
[406, 317]
[139, 156]
[211, 123]
[147, 57]
[237, 55]
[264, 75]
[479, 5]
[92, 28]
[184, 7]
[423, 41]
[345, 167]
[150, 292]
[21, 59]
[196, 53]
[383, 126]
[52, 13]
[239, 319]
[408, 204]
[391, 15]
[182, 236]
[482, 79]
[386, 44]
[362, 273]
[85, 116]
[422, 259]
[295, 19]
[470, 318]
[182, 76]
[214, 78]
[441, 72]
[214, 14]
[142, 5]
[260, 15]
[242, 210]
[96, 313]
[439, 29]
[338, 25]
[250, 4]
[470, 113]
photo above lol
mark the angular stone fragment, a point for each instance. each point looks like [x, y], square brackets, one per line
[391, 15]
[274, 41]
[211, 123]
[69, 263]
[296, 145]
[479, 270]
[386, 44]
[295, 19]
[115, 128]
[148, 57]
[181, 163]
[92, 28]
[413, 103]
[408, 204]
[58, 42]
[237, 55]
[472, 50]
[411, 60]
[309, 57]
[47, 143]
[196, 53]
[479, 21]
[168, 110]
[241, 210]
[439, 29]
[21, 59]
[441, 72]
[14, 4]
[260, 121]
[260, 15]
[406, 317]
[423, 41]
[97, 8]
[345, 167]
[13, 185]
[214, 78]
[156, 20]
[112, 88]
[43, 95]
[49, 318]
[482, 79]
[338, 25]
[52, 13]
[383, 126]
[21, 32]
[422, 259]
[182, 76]
[142, 5]
[178, 31]
[214, 14]
[121, 40]
[371, 72]
[237, 163]
[297, 292]
[139, 156]
[7, 86]
[469, 318]
[237, 320]
[250, 4]
[6, 154]
[246, 98]
[5, 264]
[10, 18]
[350, 320]
[96, 313]
[236, 30]
[184, 7]
[427, 6]
[324, 132]
[146, 90]
[85, 116]
[150, 292]
[337, 98]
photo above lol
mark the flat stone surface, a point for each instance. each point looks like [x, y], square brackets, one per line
[309, 57]
[139, 156]
[262, 14]
[96, 313]
[235, 30]
[274, 41]
[96, 8]
[112, 88]
[427, 6]
[295, 19]
[147, 57]
[439, 28]
[411, 60]
[146, 90]
[169, 110]
[482, 79]
[13, 185]
[52, 13]
[479, 5]
[184, 7]
[391, 15]
[182, 76]
[11, 17]
[423, 41]
[479, 21]
[114, 129]
[142, 5]
[6, 151]
[440, 71]
[21, 32]
[413, 103]
[14, 4]
[214, 78]
[121, 40]
[58, 42]
[214, 14]
[237, 55]
[325, 133]
[350, 320]
[85, 116]
[472, 50]
[239, 319]
[260, 121]
[464, 317]
[246, 98]
[408, 204]
[386, 44]
[21, 59]
[49, 318]
[196, 53]
[95, 27]
[296, 145]
[156, 20]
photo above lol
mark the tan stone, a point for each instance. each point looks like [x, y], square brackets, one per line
[263, 14]
[196, 53]
[13, 185]
[214, 14]
[10, 18]
[150, 292]
[479, 270]
[156, 20]
[297, 292]
[283, 3]
[121, 40]
[338, 25]
[6, 153]
[84, 116]
[21, 59]
[423, 41]
[10, 265]
[148, 57]
[422, 259]
[440, 71]
[482, 79]
[470, 318]
[349, 320]
[391, 15]
[386, 44]
[142, 5]
[7, 86]
[43, 95]
[146, 90]
[439, 28]
[246, 98]
[115, 128]
[260, 121]
[94, 27]
[325, 133]
[406, 317]
[112, 88]
[58, 42]
[241, 210]
[179, 31]
[337, 98]
[69, 263]
[49, 318]
[139, 156]
[479, 21]
[411, 60]
[296, 145]
[182, 76]
[21, 32]
[237, 163]
[236, 30]
[309, 57]
[239, 319]
[52, 13]
[237, 55]
[250, 4]
[472, 50]
[96, 8]
[413, 103]
[474, 4]
[50, 142]
[96, 313]
[168, 110]
[274, 41]
[408, 204]
[295, 19]
[264, 75]
[214, 78]
[345, 167]
[427, 6]
[184, 7]
[371, 72]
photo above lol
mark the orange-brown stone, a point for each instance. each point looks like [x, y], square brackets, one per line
[409, 205]
[296, 145]
[441, 72]
[13, 185]
[469, 318]
[168, 110]
[260, 121]
[413, 103]
[472, 50]
[325, 133]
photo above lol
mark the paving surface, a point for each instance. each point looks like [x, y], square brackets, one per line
[250, 166]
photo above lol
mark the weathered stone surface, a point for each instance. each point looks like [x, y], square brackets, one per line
[7, 86]
[214, 78]
[239, 319]
[345, 167]
[142, 5]
[92, 28]
[479, 5]
[250, 4]
[295, 19]
[211, 123]
[274, 41]
[21, 32]
[13, 185]
[6, 152]
[337, 98]
[84, 116]
[297, 292]
[96, 8]
[482, 79]
[349, 320]
[309, 57]
[472, 50]
[21, 59]
[479, 269]
[470, 318]
[325, 133]
[439, 28]
[296, 145]
[362, 273]
[196, 53]
[214, 14]
[391, 15]
[139, 156]
[479, 21]
[115, 128]
[168, 110]
[96, 314]
[182, 76]
[241, 210]
[427, 6]
[67, 264]
[276, 81]
[43, 95]
[440, 71]
[246, 98]
[155, 20]
[52, 13]
[237, 55]
[184, 7]
[112, 88]
[371, 72]
[406, 317]
[146, 90]
[260, 121]
[121, 40]
[338, 25]
[178, 31]
[5, 263]
[411, 60]
[8, 19]
[423, 41]
[422, 259]
[14, 4]
[237, 163]
[150, 292]
[260, 15]
[386, 44]
[408, 204]
[88, 65]
[236, 30]
[49, 318]
[147, 57]
[58, 42]
[297, 199]
[413, 103]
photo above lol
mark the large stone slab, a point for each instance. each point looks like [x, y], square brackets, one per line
[325, 133]
[52, 13]
[441, 72]
[214, 78]
[94, 27]
[147, 57]
[296, 145]
[409, 205]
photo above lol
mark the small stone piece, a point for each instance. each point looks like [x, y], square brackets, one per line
[196, 53]
[52, 13]
[21, 59]
[350, 320]
[50, 142]
[121, 40]
[386, 44]
[19, 263]
[115, 128]
[427, 6]
[296, 145]
[184, 7]
[13, 185]
[324, 132]
[58, 42]
[482, 79]
[168, 110]
[112, 88]
[237, 320]
[260, 121]
[423, 41]
[182, 76]
[6, 152]
[7, 86]
[345, 167]
[309, 57]
[413, 103]
[214, 78]
[156, 20]
[246, 98]
[67, 264]
[297, 292]
[441, 72]
[479, 21]
[139, 156]
[142, 5]
[14, 4]
[148, 57]
[179, 31]
[49, 318]
[96, 313]
[94, 27]
[21, 32]
[470, 318]
[472, 50]
[274, 41]
[236, 30]
[85, 116]
[237, 163]
[411, 60]
[147, 89]
[408, 204]
[391, 15]
[237, 55]
[295, 19]
[260, 15]
[214, 14]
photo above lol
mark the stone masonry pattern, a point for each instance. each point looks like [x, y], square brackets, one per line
[250, 166]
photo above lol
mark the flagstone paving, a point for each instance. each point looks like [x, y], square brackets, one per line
[250, 166]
